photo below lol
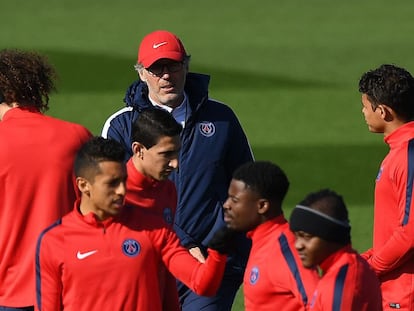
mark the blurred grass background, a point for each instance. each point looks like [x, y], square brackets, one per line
[289, 69]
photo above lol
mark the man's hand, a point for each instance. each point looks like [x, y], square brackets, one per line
[197, 254]
[223, 240]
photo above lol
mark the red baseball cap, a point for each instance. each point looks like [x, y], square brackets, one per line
[160, 44]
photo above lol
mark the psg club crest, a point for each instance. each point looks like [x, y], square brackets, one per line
[254, 275]
[131, 248]
[207, 129]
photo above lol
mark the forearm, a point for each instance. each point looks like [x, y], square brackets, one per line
[202, 278]
[207, 278]
[391, 254]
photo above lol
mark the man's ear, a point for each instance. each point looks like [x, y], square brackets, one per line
[263, 206]
[387, 113]
[83, 185]
[141, 75]
[138, 149]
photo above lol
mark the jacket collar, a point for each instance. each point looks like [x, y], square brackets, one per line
[196, 87]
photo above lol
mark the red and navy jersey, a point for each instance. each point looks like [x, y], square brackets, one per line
[85, 264]
[392, 254]
[36, 189]
[159, 198]
[275, 278]
[347, 284]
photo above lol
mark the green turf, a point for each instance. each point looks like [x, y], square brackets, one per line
[288, 68]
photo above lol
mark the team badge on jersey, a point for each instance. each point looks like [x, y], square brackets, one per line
[207, 129]
[254, 275]
[131, 248]
[168, 216]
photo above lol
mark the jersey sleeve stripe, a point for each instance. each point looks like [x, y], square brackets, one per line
[37, 260]
[107, 124]
[290, 260]
[410, 181]
[339, 288]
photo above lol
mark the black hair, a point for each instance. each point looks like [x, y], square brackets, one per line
[96, 150]
[391, 86]
[152, 124]
[265, 178]
[328, 202]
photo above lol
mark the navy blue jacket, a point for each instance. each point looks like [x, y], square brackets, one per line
[213, 146]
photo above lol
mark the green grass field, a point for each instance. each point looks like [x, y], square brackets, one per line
[289, 69]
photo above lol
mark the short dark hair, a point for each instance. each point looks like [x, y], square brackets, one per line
[265, 178]
[96, 150]
[152, 124]
[26, 78]
[392, 86]
[327, 202]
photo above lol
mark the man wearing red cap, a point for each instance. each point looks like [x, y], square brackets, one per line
[213, 146]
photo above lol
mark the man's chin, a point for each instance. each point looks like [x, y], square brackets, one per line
[171, 100]
[116, 210]
[230, 225]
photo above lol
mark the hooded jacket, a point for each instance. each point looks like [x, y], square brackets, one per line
[213, 146]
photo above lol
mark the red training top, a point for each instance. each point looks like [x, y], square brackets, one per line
[160, 198]
[347, 284]
[36, 189]
[275, 278]
[392, 255]
[83, 264]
